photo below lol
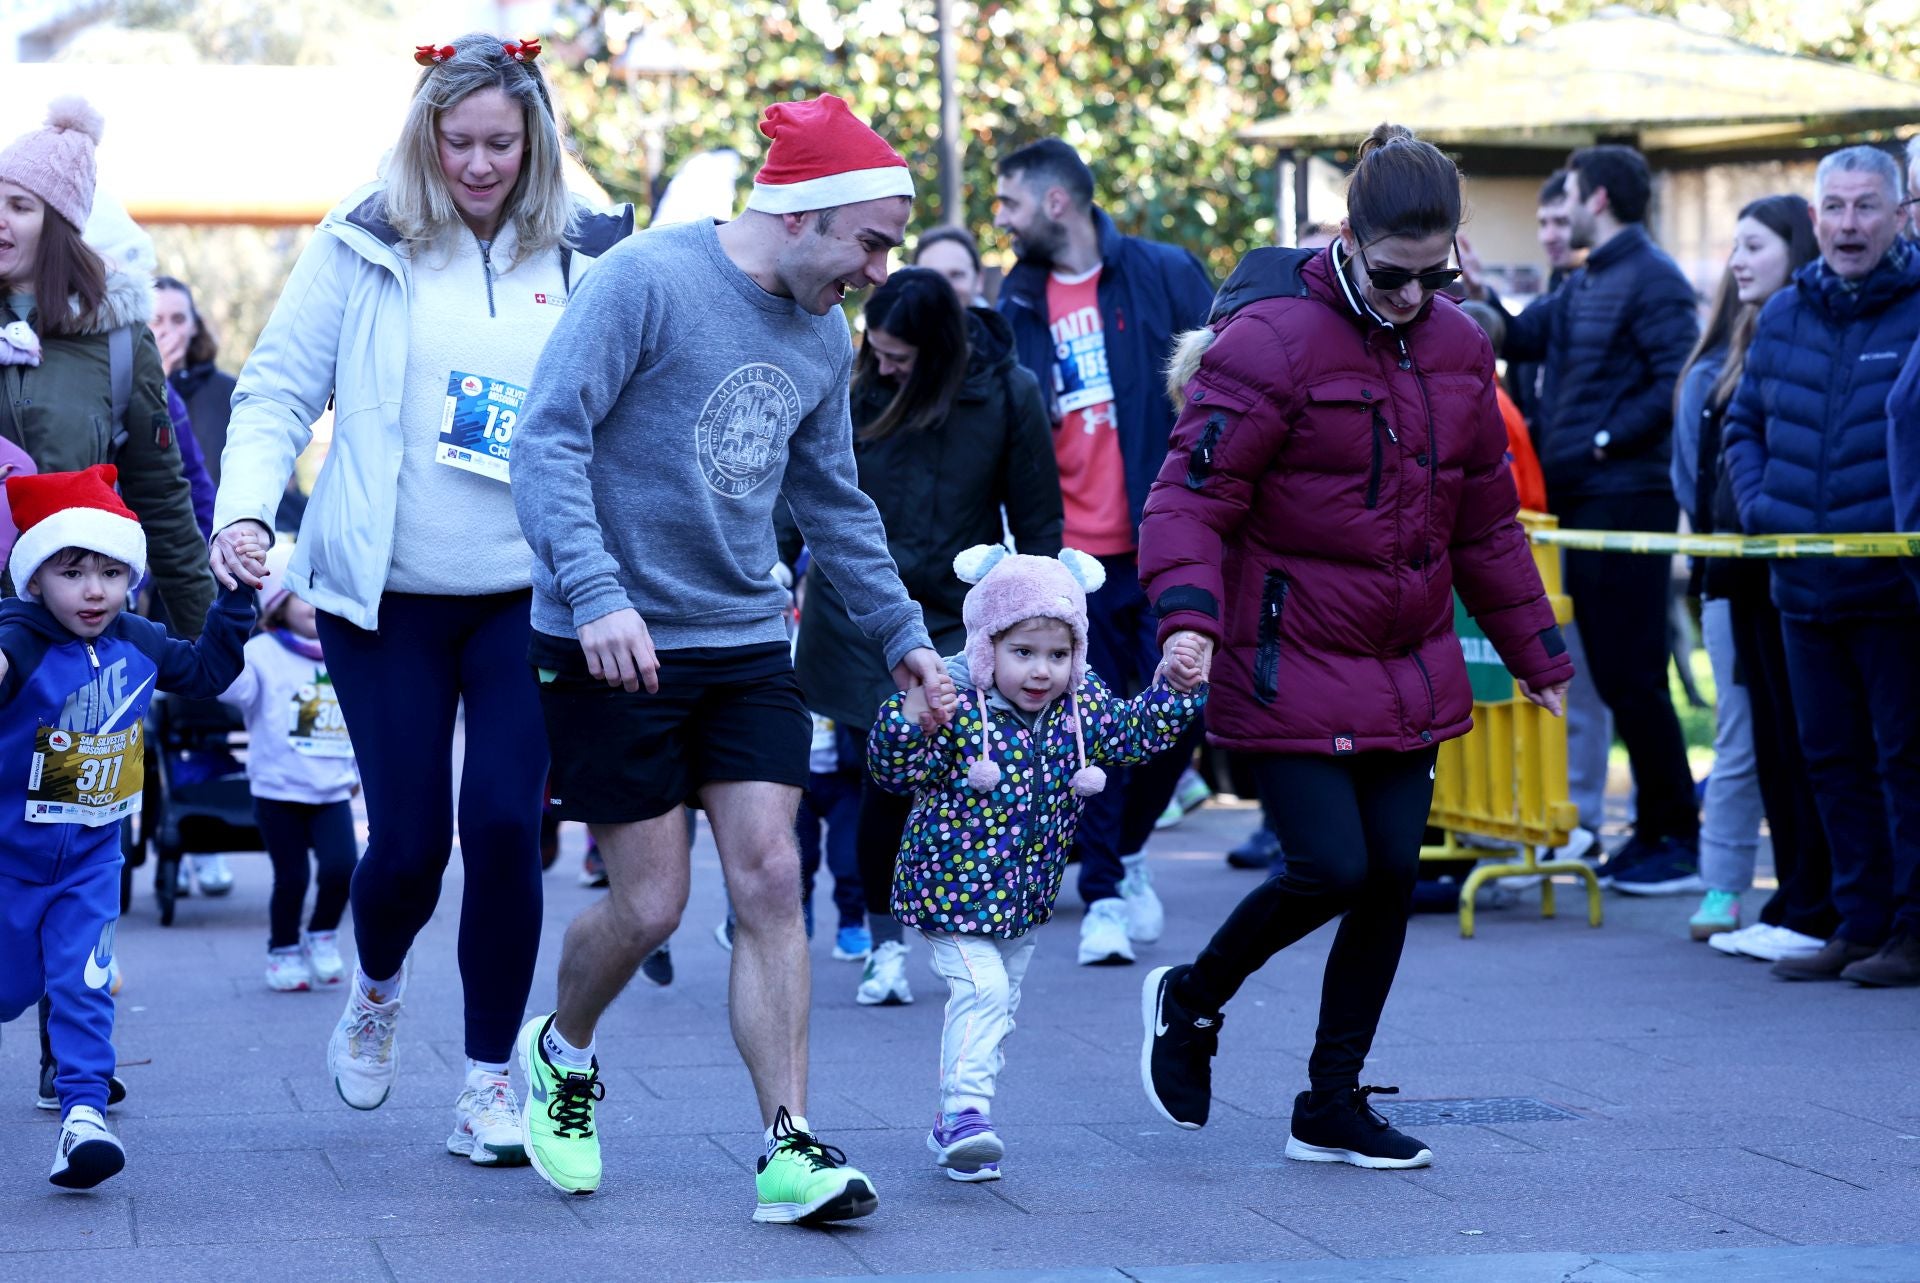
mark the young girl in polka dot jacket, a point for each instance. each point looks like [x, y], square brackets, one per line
[997, 797]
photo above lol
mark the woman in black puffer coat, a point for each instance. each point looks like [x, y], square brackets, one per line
[949, 430]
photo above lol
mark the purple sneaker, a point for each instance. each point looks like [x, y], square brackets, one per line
[966, 1146]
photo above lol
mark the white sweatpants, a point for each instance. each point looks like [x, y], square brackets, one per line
[983, 975]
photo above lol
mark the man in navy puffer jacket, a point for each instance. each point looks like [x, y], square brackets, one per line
[1613, 338]
[1806, 447]
[1094, 316]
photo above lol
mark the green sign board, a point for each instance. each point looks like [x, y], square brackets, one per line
[1492, 683]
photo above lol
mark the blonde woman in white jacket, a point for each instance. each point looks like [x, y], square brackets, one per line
[419, 309]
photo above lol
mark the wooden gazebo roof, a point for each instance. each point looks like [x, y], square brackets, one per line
[1619, 74]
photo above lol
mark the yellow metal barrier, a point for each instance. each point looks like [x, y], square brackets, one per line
[1771, 547]
[1507, 778]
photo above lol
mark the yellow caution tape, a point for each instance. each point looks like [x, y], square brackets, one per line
[1768, 546]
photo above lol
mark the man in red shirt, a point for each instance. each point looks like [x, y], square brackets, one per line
[1094, 316]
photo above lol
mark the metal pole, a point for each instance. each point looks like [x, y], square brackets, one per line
[950, 208]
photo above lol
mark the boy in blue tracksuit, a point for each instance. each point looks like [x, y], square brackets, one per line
[76, 675]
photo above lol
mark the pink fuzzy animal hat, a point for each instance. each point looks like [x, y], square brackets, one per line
[1009, 588]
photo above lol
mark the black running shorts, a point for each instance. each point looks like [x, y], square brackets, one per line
[723, 713]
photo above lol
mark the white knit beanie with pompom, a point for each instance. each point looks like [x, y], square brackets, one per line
[56, 163]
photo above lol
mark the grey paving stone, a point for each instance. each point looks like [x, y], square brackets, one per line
[48, 1219]
[300, 1261]
[639, 1252]
[1720, 1110]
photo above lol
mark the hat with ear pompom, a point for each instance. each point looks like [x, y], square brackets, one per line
[1010, 588]
[56, 163]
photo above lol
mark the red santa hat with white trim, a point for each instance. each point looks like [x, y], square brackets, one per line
[58, 510]
[822, 156]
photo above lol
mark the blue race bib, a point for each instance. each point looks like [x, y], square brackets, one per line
[476, 430]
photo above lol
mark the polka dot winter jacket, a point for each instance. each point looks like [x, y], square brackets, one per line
[991, 862]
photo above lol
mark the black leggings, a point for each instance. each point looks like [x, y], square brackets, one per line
[883, 821]
[401, 689]
[290, 830]
[1802, 863]
[1351, 828]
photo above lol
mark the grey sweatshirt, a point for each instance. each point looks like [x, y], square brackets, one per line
[675, 404]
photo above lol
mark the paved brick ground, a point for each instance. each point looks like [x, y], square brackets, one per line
[1720, 1115]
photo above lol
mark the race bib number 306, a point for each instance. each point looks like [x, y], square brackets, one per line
[85, 779]
[316, 727]
[476, 429]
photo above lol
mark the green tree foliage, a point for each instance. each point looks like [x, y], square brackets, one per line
[1150, 91]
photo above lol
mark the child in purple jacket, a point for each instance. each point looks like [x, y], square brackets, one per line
[997, 797]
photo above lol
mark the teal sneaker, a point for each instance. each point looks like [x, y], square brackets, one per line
[556, 1127]
[806, 1182]
[1719, 911]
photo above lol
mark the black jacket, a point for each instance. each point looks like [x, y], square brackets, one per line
[938, 492]
[1613, 339]
[1150, 294]
[208, 393]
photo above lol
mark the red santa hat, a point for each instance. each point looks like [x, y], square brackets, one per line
[822, 156]
[58, 510]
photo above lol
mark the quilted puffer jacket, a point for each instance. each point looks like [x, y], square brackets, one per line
[1332, 481]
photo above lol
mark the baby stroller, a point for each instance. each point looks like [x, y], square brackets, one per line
[197, 800]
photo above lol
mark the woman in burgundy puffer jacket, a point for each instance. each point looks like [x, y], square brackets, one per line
[1339, 471]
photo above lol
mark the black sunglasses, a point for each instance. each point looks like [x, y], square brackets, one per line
[1389, 279]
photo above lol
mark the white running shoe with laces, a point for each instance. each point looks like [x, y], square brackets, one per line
[1146, 916]
[1103, 934]
[361, 1057]
[287, 971]
[323, 957]
[884, 982]
[86, 1153]
[486, 1122]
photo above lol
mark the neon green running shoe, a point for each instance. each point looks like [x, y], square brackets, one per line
[556, 1127]
[806, 1182]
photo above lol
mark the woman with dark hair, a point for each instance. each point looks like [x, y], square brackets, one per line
[1757, 764]
[1339, 471]
[951, 251]
[70, 330]
[188, 349]
[949, 430]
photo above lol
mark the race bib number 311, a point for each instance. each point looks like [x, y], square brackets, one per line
[85, 779]
[476, 429]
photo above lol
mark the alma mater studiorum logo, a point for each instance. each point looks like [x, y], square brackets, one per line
[743, 428]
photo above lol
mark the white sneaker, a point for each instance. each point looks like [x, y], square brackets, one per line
[1103, 935]
[211, 873]
[323, 957]
[1582, 844]
[486, 1122]
[86, 1153]
[287, 971]
[361, 1058]
[884, 982]
[1768, 944]
[1146, 916]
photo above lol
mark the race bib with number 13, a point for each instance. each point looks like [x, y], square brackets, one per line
[476, 429]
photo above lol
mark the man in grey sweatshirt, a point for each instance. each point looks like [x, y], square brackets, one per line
[699, 377]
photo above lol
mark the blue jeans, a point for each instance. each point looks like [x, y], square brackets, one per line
[1856, 688]
[1730, 823]
[832, 802]
[1589, 738]
[1122, 647]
